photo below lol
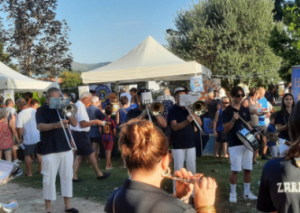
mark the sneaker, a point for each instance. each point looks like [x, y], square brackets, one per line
[265, 157]
[256, 163]
[232, 198]
[17, 161]
[250, 196]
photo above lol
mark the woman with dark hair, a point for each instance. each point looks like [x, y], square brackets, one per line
[121, 115]
[134, 101]
[145, 149]
[279, 186]
[281, 121]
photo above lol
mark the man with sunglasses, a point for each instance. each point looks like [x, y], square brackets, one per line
[220, 135]
[240, 156]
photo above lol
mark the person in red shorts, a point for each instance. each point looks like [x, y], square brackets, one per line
[108, 132]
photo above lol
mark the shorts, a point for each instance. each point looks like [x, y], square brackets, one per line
[241, 158]
[6, 149]
[96, 140]
[108, 145]
[32, 149]
[274, 151]
[222, 137]
[82, 140]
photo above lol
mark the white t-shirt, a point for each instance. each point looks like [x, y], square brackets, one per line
[26, 120]
[81, 115]
[267, 119]
[128, 96]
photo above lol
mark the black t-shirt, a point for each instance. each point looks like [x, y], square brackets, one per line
[279, 187]
[244, 113]
[183, 138]
[212, 108]
[282, 118]
[52, 141]
[134, 113]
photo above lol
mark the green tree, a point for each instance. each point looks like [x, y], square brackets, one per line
[5, 58]
[230, 37]
[285, 39]
[34, 37]
[71, 79]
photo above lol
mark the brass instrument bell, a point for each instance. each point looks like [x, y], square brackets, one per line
[157, 108]
[69, 110]
[199, 107]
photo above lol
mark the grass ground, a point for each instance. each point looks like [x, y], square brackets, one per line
[99, 191]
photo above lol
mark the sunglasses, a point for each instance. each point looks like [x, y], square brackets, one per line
[226, 102]
[240, 96]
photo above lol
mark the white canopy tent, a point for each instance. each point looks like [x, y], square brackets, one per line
[149, 61]
[10, 79]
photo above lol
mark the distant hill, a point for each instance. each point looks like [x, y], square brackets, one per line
[87, 67]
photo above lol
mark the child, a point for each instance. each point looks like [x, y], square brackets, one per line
[108, 132]
[271, 129]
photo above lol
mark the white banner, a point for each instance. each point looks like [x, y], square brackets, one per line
[9, 94]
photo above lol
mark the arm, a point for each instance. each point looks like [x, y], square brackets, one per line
[161, 121]
[245, 103]
[118, 117]
[115, 132]
[281, 127]
[178, 126]
[72, 121]
[215, 123]
[12, 125]
[228, 126]
[44, 127]
[84, 124]
[20, 133]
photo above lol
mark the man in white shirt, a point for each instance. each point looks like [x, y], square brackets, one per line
[28, 134]
[124, 93]
[81, 136]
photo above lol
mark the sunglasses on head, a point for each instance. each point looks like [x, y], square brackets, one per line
[226, 102]
[240, 96]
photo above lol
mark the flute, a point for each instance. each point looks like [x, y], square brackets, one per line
[183, 180]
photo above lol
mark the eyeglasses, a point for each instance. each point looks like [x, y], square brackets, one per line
[240, 96]
[226, 102]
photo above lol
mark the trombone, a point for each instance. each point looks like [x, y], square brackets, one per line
[156, 109]
[199, 108]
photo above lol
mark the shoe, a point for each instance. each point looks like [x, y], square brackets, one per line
[232, 198]
[256, 163]
[105, 175]
[72, 210]
[250, 196]
[17, 161]
[77, 180]
[265, 157]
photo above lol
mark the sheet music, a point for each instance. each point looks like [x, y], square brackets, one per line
[183, 99]
[5, 170]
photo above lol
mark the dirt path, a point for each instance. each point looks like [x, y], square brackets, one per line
[30, 200]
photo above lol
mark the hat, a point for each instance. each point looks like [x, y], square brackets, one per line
[113, 97]
[142, 91]
[210, 89]
[180, 89]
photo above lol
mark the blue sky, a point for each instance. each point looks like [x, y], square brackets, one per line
[106, 30]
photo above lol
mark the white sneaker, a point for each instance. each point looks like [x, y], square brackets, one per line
[17, 161]
[232, 198]
[250, 196]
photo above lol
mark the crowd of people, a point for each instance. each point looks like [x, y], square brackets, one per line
[145, 145]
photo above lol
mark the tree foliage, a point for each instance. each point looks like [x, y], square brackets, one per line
[71, 79]
[230, 37]
[285, 39]
[5, 58]
[34, 37]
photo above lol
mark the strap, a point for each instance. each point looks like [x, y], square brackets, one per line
[124, 110]
[114, 203]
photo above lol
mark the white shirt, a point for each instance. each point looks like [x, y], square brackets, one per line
[267, 119]
[128, 96]
[81, 115]
[26, 120]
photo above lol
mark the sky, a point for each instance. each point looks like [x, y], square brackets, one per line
[105, 30]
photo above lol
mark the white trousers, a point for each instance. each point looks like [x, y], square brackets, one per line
[61, 162]
[282, 147]
[187, 155]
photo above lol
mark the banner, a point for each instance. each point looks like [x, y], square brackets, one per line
[102, 91]
[296, 82]
[196, 84]
[207, 83]
[208, 126]
[9, 94]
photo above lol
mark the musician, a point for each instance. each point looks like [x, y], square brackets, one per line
[145, 149]
[182, 135]
[81, 136]
[279, 189]
[240, 156]
[141, 112]
[281, 121]
[56, 153]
